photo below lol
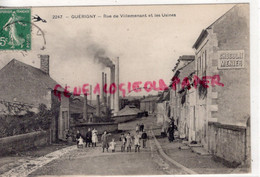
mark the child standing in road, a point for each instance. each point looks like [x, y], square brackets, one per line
[80, 144]
[123, 142]
[94, 137]
[144, 138]
[128, 142]
[112, 145]
[137, 141]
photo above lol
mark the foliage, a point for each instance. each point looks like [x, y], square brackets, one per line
[19, 124]
[14, 108]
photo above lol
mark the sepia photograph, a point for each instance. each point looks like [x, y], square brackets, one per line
[125, 90]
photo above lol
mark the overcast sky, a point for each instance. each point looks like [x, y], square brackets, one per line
[148, 48]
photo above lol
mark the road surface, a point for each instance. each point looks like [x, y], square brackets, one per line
[92, 161]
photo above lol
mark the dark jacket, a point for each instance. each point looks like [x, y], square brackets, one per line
[144, 136]
[78, 135]
[88, 136]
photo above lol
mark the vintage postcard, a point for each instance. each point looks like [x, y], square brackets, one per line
[125, 90]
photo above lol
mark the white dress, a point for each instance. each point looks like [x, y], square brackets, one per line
[112, 145]
[94, 136]
[137, 139]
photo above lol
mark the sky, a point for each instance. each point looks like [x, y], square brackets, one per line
[147, 47]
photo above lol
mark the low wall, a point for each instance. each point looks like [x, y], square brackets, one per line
[100, 127]
[23, 142]
[124, 118]
[228, 142]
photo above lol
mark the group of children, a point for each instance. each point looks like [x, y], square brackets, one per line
[127, 141]
[139, 138]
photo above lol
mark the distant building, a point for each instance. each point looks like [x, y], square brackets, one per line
[22, 84]
[130, 100]
[76, 110]
[182, 99]
[163, 109]
[149, 104]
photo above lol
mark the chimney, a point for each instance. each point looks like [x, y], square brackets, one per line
[102, 87]
[105, 95]
[90, 100]
[85, 108]
[98, 106]
[45, 63]
[116, 104]
[112, 80]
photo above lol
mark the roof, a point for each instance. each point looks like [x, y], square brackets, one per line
[22, 82]
[204, 32]
[128, 111]
[182, 60]
[201, 38]
[150, 98]
[164, 97]
[182, 66]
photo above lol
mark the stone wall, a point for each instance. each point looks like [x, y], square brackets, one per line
[23, 142]
[228, 142]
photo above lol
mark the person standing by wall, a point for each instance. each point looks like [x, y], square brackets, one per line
[171, 133]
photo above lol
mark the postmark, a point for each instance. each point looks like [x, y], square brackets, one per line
[15, 29]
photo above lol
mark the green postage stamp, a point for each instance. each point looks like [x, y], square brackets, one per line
[15, 32]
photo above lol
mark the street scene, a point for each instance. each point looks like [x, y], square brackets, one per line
[125, 90]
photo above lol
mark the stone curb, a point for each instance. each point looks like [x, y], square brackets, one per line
[32, 165]
[189, 171]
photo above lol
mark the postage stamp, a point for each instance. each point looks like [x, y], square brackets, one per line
[15, 32]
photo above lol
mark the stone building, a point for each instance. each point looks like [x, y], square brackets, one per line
[163, 109]
[222, 109]
[182, 98]
[149, 104]
[24, 88]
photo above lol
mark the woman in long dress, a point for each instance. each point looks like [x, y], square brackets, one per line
[171, 133]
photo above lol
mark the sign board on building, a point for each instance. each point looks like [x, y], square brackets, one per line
[231, 59]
